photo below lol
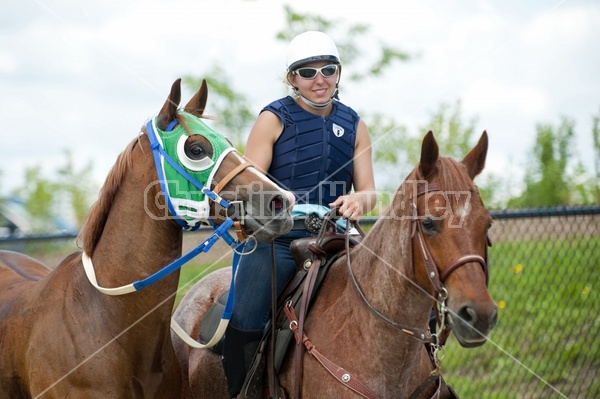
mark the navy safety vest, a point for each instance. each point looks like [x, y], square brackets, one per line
[313, 156]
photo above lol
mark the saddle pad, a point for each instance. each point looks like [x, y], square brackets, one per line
[210, 322]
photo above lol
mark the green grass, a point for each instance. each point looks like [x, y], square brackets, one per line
[546, 343]
[193, 271]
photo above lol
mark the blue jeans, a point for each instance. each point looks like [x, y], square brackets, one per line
[252, 296]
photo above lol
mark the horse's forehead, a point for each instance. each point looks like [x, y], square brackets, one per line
[463, 210]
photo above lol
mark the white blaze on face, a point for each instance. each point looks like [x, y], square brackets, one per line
[462, 209]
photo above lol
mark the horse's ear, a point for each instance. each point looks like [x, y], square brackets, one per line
[475, 160]
[169, 109]
[197, 104]
[429, 156]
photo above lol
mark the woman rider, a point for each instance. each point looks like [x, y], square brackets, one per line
[315, 146]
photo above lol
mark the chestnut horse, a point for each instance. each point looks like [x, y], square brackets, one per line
[371, 315]
[60, 336]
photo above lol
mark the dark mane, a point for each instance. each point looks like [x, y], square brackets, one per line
[96, 218]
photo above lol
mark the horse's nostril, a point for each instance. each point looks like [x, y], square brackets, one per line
[468, 315]
[276, 204]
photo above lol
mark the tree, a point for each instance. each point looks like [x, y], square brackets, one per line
[547, 182]
[596, 172]
[453, 134]
[68, 194]
[348, 39]
[38, 194]
[234, 113]
[74, 188]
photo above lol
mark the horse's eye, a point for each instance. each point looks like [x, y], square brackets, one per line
[197, 150]
[428, 225]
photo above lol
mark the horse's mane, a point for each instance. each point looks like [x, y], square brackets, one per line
[96, 219]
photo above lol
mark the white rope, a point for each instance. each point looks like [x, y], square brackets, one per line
[195, 344]
[91, 275]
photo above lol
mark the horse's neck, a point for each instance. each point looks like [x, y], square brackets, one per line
[138, 238]
[384, 271]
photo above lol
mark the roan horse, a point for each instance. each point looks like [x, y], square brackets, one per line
[62, 338]
[429, 246]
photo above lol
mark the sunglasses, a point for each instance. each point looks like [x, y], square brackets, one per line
[311, 73]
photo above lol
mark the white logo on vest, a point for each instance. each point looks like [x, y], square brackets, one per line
[338, 130]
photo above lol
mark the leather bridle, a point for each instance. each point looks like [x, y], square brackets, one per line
[436, 277]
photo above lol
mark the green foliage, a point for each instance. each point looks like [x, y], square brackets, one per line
[388, 139]
[68, 192]
[547, 181]
[38, 194]
[76, 186]
[453, 134]
[596, 173]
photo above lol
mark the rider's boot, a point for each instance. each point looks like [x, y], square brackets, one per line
[238, 352]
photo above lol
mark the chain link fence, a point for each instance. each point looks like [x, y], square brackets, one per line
[545, 278]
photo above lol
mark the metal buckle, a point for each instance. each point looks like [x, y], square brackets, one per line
[313, 223]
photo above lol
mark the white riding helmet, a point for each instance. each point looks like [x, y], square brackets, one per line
[311, 46]
[308, 47]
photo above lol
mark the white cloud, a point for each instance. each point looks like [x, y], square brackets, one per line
[86, 75]
[485, 96]
[568, 24]
[8, 63]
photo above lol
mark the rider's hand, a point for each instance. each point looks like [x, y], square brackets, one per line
[350, 206]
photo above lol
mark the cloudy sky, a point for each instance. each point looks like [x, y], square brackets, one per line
[85, 75]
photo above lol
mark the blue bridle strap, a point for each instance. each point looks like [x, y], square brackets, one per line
[205, 246]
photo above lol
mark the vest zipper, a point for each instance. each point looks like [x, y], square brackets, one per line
[324, 152]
